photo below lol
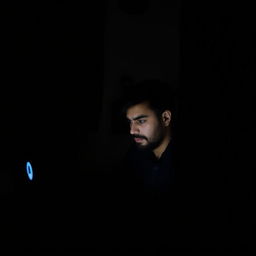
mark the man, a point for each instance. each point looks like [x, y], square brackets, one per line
[149, 163]
[148, 173]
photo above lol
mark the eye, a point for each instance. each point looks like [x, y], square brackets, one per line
[141, 121]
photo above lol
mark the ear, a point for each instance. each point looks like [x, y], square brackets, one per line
[166, 117]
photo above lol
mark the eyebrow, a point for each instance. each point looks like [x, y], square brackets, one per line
[138, 117]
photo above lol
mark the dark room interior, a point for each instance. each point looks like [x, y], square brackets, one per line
[65, 66]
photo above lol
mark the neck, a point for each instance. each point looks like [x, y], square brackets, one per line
[162, 147]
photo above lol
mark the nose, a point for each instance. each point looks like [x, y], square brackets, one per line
[133, 129]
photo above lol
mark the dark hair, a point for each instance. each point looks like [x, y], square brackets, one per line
[159, 95]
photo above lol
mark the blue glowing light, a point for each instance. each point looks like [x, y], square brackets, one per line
[29, 170]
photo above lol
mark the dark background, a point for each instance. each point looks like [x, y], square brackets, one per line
[64, 66]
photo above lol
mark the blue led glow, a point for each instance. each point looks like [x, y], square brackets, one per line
[29, 170]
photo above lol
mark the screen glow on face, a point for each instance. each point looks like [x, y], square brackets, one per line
[29, 170]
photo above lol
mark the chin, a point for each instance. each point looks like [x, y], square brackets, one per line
[149, 146]
[143, 147]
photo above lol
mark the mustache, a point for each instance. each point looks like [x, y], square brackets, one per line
[139, 136]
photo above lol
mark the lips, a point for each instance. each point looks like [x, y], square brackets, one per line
[138, 140]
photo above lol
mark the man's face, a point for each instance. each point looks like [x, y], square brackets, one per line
[145, 127]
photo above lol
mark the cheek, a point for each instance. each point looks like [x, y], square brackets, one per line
[155, 131]
[149, 131]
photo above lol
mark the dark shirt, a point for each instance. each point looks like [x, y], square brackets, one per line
[148, 189]
[147, 176]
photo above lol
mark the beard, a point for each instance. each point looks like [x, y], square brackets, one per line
[152, 143]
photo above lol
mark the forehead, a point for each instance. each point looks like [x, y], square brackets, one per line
[138, 110]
